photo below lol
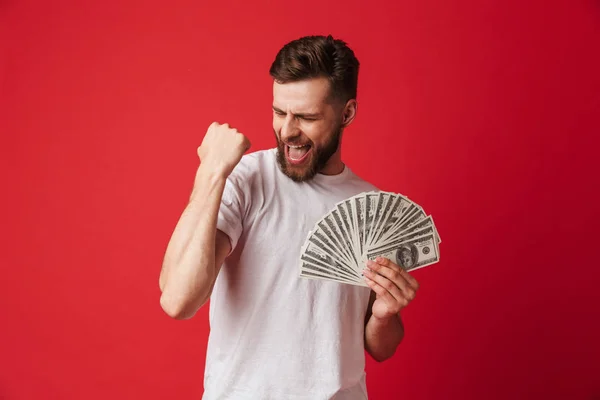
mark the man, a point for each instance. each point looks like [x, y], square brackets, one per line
[407, 256]
[275, 335]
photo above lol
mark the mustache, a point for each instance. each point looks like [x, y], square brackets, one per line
[298, 140]
[295, 143]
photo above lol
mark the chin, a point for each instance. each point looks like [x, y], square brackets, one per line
[299, 174]
[296, 173]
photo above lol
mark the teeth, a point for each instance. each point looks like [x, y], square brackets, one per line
[297, 147]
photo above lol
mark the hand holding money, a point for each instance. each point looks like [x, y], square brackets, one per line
[394, 287]
[370, 226]
[222, 149]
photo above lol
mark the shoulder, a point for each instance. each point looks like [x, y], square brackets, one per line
[361, 184]
[251, 167]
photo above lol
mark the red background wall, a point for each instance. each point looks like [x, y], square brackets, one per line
[485, 112]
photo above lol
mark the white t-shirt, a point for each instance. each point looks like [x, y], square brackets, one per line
[275, 335]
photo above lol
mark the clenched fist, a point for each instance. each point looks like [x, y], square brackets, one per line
[222, 149]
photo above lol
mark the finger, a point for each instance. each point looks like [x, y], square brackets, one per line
[386, 262]
[394, 275]
[381, 292]
[387, 284]
[408, 277]
[247, 144]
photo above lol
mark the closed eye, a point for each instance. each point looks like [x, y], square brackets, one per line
[305, 117]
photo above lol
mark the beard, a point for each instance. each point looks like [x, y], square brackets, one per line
[318, 158]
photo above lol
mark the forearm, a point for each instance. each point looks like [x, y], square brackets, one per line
[189, 269]
[382, 336]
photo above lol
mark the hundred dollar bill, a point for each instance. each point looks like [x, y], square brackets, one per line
[337, 226]
[418, 225]
[358, 211]
[371, 199]
[307, 272]
[398, 210]
[412, 254]
[315, 255]
[348, 205]
[408, 223]
[410, 212]
[348, 229]
[410, 234]
[308, 266]
[387, 211]
[319, 239]
[380, 211]
[324, 233]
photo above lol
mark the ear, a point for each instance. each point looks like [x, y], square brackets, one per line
[349, 112]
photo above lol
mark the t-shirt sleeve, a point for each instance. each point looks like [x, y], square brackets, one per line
[231, 212]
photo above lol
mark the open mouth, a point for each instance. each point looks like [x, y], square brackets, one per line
[297, 154]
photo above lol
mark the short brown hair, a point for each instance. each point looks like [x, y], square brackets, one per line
[318, 56]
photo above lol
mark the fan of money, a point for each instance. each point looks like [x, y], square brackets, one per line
[366, 226]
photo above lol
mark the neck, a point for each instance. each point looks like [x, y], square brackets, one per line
[334, 165]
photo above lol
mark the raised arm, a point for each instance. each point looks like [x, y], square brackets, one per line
[197, 249]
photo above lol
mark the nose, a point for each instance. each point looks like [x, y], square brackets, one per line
[289, 129]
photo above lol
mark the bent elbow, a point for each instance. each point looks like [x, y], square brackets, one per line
[176, 309]
[382, 357]
[381, 354]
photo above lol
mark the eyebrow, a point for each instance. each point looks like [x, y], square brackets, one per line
[301, 115]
